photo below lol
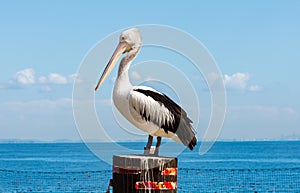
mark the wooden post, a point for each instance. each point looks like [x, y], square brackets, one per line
[140, 173]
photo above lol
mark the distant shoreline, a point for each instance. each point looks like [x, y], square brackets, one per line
[17, 141]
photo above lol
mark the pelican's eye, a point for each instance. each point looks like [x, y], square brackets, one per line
[122, 38]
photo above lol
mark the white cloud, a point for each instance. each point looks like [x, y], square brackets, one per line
[237, 80]
[28, 77]
[54, 78]
[57, 79]
[25, 77]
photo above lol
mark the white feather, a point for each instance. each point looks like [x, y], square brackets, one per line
[140, 103]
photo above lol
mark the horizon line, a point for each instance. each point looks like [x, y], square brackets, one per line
[11, 141]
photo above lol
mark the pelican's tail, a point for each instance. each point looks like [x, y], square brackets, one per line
[186, 133]
[193, 143]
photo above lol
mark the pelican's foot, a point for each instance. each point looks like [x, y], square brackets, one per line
[150, 151]
[146, 151]
[148, 146]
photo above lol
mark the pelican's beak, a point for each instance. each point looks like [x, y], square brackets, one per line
[122, 48]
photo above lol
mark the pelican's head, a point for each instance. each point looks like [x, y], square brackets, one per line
[132, 38]
[130, 41]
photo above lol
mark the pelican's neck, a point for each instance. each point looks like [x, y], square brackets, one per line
[123, 81]
[126, 61]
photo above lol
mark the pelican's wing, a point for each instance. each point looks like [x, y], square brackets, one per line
[147, 104]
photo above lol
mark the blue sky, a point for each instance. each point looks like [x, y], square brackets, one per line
[255, 43]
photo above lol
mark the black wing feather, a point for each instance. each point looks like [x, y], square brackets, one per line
[182, 125]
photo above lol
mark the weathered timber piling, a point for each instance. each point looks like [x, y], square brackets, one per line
[140, 173]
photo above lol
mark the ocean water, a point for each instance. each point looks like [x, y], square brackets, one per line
[272, 166]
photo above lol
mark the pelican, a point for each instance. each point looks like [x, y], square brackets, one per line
[147, 109]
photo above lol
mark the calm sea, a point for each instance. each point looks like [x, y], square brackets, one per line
[34, 159]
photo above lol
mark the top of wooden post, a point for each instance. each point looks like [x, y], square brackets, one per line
[143, 161]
